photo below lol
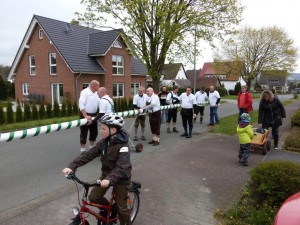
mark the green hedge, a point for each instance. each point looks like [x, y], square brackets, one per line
[295, 120]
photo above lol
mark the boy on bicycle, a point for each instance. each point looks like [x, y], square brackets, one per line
[113, 150]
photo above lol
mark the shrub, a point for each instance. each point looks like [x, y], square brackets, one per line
[19, 113]
[69, 108]
[272, 182]
[292, 141]
[42, 112]
[222, 91]
[63, 109]
[2, 116]
[56, 109]
[130, 104]
[295, 120]
[295, 96]
[75, 108]
[35, 113]
[237, 88]
[9, 113]
[49, 110]
[27, 111]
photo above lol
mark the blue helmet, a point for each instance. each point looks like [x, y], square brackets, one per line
[245, 117]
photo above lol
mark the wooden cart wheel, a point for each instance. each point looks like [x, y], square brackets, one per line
[139, 147]
[268, 145]
[264, 150]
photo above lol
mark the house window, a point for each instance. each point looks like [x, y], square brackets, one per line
[222, 77]
[117, 44]
[57, 92]
[25, 88]
[134, 88]
[32, 65]
[40, 34]
[118, 90]
[52, 63]
[118, 65]
[85, 85]
[274, 80]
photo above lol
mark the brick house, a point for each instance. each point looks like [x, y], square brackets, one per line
[174, 74]
[57, 59]
[276, 79]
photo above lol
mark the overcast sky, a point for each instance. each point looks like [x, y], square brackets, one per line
[16, 15]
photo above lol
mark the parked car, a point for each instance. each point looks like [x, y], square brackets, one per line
[289, 212]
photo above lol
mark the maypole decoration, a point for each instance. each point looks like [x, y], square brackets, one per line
[32, 132]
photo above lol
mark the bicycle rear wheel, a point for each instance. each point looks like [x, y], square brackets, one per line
[133, 203]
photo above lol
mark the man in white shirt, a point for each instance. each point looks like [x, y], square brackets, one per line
[188, 103]
[153, 107]
[88, 106]
[214, 100]
[172, 99]
[139, 101]
[201, 99]
[106, 104]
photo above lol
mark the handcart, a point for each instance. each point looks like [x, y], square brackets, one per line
[139, 146]
[260, 140]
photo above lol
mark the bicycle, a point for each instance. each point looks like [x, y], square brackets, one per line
[133, 203]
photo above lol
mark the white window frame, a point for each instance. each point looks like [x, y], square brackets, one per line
[118, 86]
[222, 77]
[134, 88]
[57, 94]
[52, 65]
[25, 88]
[117, 44]
[32, 68]
[118, 59]
[41, 34]
[85, 85]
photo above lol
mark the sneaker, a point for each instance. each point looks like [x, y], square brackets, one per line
[82, 150]
[143, 137]
[169, 130]
[135, 138]
[175, 130]
[210, 124]
[188, 136]
[243, 162]
[276, 148]
[183, 135]
[155, 143]
[151, 142]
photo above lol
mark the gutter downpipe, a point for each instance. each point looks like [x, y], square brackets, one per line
[76, 86]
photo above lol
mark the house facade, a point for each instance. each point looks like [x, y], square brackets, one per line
[273, 79]
[174, 74]
[56, 60]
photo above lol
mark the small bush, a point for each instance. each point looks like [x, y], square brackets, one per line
[295, 96]
[222, 91]
[56, 109]
[9, 113]
[42, 112]
[292, 141]
[295, 120]
[27, 111]
[272, 182]
[19, 113]
[2, 116]
[63, 109]
[75, 109]
[69, 108]
[49, 110]
[237, 88]
[35, 112]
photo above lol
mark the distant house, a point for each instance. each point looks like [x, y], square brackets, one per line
[174, 74]
[293, 80]
[58, 59]
[274, 79]
[224, 71]
[191, 75]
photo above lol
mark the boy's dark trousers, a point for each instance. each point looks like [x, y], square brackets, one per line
[244, 152]
[120, 190]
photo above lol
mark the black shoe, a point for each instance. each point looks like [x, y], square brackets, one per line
[175, 130]
[189, 136]
[143, 137]
[135, 138]
[151, 142]
[244, 163]
[183, 135]
[210, 124]
[156, 143]
[217, 122]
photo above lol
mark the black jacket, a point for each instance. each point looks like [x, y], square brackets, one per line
[115, 158]
[270, 114]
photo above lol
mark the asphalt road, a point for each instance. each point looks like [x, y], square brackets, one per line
[31, 168]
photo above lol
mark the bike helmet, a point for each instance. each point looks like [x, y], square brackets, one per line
[112, 120]
[245, 117]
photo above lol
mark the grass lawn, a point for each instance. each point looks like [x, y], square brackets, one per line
[234, 97]
[30, 124]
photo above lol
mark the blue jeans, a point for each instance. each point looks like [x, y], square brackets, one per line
[164, 114]
[244, 151]
[214, 115]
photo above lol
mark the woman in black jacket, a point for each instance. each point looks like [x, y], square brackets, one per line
[270, 114]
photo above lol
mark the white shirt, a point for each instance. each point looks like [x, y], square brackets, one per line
[140, 101]
[171, 97]
[187, 102]
[213, 97]
[201, 98]
[106, 104]
[154, 105]
[88, 101]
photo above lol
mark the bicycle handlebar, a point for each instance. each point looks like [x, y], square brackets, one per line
[72, 176]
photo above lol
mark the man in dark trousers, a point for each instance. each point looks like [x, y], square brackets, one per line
[162, 98]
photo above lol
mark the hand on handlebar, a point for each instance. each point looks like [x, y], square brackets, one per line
[105, 183]
[67, 171]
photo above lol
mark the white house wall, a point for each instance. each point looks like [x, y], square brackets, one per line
[181, 74]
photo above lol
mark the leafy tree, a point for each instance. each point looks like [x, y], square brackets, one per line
[3, 89]
[155, 30]
[42, 112]
[56, 109]
[49, 110]
[2, 116]
[9, 113]
[27, 111]
[19, 113]
[237, 88]
[255, 50]
[35, 112]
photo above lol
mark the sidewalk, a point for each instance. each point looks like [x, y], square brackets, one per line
[183, 183]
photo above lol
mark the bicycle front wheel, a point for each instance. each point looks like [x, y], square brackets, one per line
[133, 203]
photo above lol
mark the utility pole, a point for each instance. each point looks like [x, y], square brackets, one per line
[195, 49]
